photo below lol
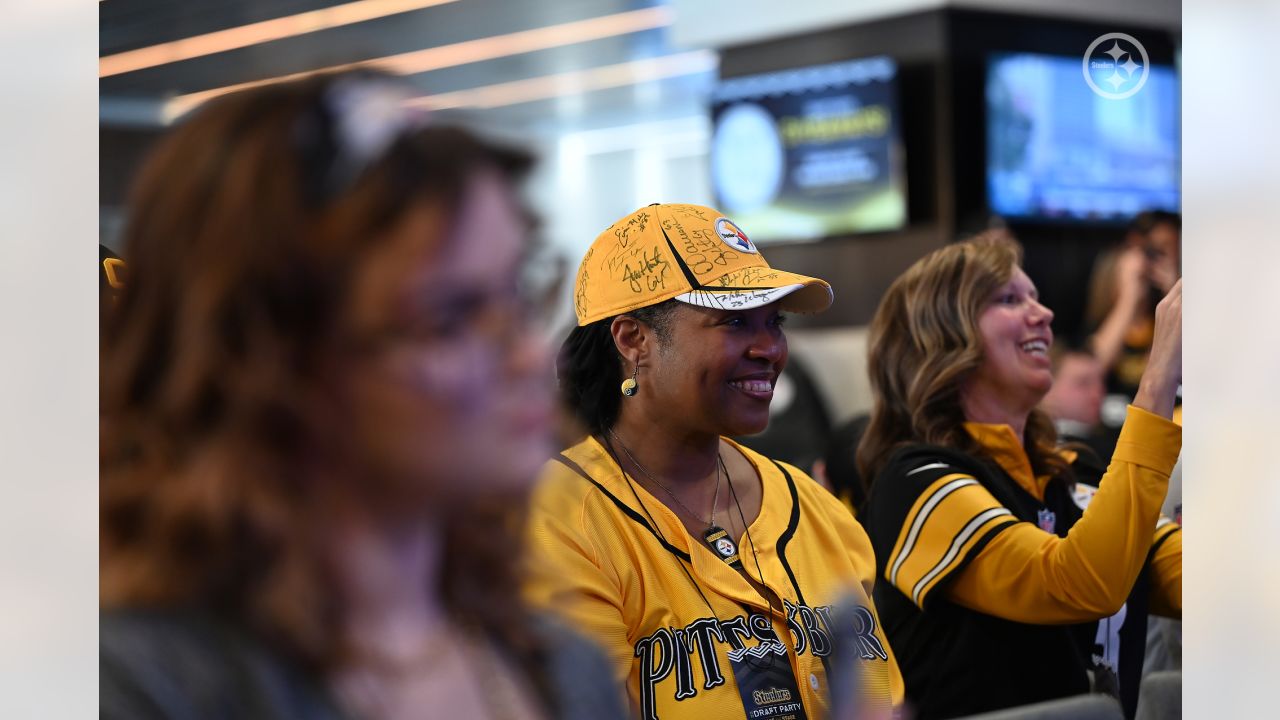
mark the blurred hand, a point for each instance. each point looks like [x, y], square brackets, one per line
[1160, 381]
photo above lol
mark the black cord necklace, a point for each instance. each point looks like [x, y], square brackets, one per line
[654, 522]
[716, 537]
[746, 530]
[781, 613]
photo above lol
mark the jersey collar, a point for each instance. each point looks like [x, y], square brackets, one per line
[1002, 445]
[768, 527]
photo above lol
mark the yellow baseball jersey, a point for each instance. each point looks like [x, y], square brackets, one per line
[686, 633]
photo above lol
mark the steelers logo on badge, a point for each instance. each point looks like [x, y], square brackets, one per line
[733, 236]
[725, 547]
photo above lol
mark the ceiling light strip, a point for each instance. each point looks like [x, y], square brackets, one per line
[578, 82]
[468, 51]
[257, 33]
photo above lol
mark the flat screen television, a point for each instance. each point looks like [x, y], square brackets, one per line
[810, 152]
[1057, 150]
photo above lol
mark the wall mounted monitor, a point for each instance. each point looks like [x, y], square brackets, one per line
[1058, 150]
[810, 152]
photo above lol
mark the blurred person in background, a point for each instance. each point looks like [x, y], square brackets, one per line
[1123, 291]
[321, 407]
[1074, 401]
[837, 469]
[708, 572]
[1008, 580]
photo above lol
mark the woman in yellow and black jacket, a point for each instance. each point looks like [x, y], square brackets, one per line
[1010, 568]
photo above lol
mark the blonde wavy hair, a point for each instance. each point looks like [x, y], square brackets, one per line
[925, 342]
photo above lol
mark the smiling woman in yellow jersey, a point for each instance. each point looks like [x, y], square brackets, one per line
[709, 573]
[1007, 578]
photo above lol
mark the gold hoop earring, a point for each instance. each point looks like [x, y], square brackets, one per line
[629, 385]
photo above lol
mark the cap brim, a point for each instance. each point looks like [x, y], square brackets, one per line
[755, 287]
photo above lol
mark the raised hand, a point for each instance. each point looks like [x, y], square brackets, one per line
[1163, 375]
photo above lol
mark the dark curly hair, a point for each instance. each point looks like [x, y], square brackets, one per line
[589, 366]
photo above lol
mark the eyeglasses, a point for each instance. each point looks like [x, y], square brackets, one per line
[496, 316]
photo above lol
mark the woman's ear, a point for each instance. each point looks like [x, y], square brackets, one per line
[632, 338]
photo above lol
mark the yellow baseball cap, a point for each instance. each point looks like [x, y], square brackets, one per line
[691, 253]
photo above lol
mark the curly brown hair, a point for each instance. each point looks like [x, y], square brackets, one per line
[215, 410]
[924, 342]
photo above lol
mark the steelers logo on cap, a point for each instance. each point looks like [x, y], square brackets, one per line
[733, 236]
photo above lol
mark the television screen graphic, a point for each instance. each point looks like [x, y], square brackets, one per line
[1058, 150]
[811, 152]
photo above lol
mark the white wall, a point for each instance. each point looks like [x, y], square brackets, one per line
[837, 359]
[587, 179]
[603, 174]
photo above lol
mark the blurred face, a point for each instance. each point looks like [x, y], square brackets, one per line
[1163, 256]
[1078, 390]
[1015, 371]
[1162, 243]
[717, 369]
[456, 398]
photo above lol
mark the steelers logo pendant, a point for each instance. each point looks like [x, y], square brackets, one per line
[719, 541]
[724, 546]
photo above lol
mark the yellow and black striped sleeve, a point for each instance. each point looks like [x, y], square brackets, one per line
[567, 574]
[947, 517]
[951, 519]
[1166, 569]
[1028, 575]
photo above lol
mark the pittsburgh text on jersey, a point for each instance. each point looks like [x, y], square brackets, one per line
[668, 655]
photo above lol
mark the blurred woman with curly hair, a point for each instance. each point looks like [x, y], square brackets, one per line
[321, 406]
